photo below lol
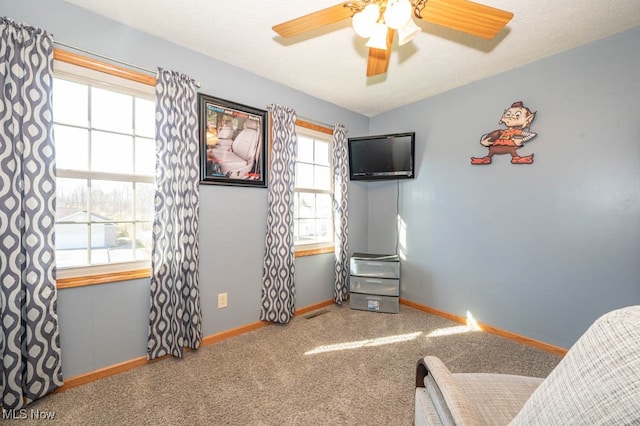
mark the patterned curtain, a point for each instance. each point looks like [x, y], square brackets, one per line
[29, 336]
[278, 290]
[175, 319]
[340, 211]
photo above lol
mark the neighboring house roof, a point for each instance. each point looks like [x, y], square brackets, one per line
[77, 215]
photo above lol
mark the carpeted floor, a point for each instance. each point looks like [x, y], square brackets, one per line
[334, 366]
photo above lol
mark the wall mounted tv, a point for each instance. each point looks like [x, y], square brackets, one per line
[382, 157]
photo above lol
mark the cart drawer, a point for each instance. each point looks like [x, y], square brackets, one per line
[379, 286]
[374, 303]
[372, 268]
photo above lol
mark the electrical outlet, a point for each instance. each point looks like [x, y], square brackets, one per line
[222, 300]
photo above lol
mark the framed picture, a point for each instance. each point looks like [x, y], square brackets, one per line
[232, 143]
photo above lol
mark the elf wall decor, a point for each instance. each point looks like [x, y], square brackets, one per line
[232, 143]
[517, 120]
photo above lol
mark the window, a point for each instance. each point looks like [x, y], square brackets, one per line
[104, 131]
[313, 192]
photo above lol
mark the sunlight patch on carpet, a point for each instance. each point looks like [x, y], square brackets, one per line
[364, 343]
[472, 325]
[448, 331]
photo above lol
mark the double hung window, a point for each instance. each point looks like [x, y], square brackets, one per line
[313, 192]
[104, 133]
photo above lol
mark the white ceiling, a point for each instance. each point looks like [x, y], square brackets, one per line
[330, 63]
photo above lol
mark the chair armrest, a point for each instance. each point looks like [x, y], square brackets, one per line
[447, 396]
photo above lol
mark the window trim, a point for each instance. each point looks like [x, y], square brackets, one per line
[302, 250]
[104, 67]
[307, 250]
[109, 277]
[101, 274]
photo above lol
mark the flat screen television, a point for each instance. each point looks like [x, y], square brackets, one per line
[382, 157]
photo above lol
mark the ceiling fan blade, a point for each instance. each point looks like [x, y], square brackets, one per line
[466, 16]
[314, 20]
[378, 61]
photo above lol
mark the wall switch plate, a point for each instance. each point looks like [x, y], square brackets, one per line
[222, 300]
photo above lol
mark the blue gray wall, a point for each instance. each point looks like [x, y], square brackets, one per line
[106, 324]
[542, 249]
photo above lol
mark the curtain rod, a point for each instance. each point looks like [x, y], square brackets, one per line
[329, 126]
[308, 120]
[88, 52]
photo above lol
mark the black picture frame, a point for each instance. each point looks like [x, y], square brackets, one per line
[233, 143]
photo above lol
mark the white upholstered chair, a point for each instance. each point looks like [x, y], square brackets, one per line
[596, 383]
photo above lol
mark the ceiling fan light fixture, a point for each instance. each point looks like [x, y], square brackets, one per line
[407, 32]
[378, 39]
[397, 13]
[364, 20]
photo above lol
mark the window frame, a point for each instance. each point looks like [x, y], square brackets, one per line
[63, 60]
[315, 130]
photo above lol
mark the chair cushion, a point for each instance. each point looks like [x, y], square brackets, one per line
[228, 160]
[225, 133]
[246, 143]
[470, 398]
[496, 398]
[251, 124]
[425, 411]
[597, 382]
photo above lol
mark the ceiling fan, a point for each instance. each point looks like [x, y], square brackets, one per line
[379, 20]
